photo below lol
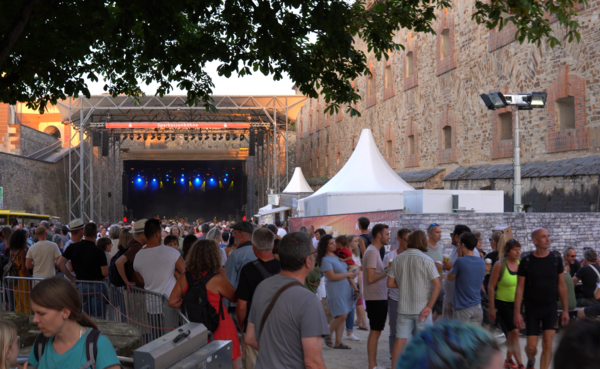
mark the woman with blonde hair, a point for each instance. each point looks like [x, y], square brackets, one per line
[10, 345]
[203, 266]
[215, 235]
[114, 233]
[124, 238]
[65, 328]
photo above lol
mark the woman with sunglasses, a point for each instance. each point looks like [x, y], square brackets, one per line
[501, 291]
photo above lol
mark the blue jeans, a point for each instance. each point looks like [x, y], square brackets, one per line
[93, 303]
[350, 321]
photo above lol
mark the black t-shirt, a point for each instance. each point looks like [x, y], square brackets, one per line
[541, 278]
[87, 260]
[589, 280]
[250, 278]
[573, 268]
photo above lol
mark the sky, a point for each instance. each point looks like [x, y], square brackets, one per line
[255, 84]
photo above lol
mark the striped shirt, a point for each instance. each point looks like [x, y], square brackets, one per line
[413, 271]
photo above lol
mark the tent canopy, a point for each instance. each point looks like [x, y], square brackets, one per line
[298, 183]
[365, 171]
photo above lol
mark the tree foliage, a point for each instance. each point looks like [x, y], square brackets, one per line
[49, 47]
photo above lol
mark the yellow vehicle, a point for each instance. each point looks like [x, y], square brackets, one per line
[7, 217]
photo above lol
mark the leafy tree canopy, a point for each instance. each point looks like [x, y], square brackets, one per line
[48, 47]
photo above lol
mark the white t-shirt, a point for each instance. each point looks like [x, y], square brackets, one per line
[43, 254]
[157, 266]
[281, 232]
[387, 260]
[315, 242]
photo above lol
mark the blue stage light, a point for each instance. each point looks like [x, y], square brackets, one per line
[153, 179]
[182, 180]
[224, 179]
[226, 175]
[167, 175]
[197, 179]
[139, 179]
[212, 179]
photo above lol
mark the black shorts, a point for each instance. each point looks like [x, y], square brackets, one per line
[377, 311]
[536, 315]
[592, 312]
[505, 315]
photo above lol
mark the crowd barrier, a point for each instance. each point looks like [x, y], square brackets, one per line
[148, 311]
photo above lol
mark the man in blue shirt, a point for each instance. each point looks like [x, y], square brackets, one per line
[468, 271]
[242, 255]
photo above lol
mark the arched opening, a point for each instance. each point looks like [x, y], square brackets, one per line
[53, 131]
[447, 137]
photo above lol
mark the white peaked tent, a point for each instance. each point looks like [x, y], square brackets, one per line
[298, 183]
[365, 183]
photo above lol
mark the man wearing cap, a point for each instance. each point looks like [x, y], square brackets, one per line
[90, 264]
[42, 256]
[242, 255]
[124, 264]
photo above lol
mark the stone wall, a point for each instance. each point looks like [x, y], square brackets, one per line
[33, 140]
[566, 229]
[35, 186]
[441, 114]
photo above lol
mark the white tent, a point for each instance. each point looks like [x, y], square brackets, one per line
[298, 183]
[365, 183]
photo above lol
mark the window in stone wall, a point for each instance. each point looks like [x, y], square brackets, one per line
[505, 121]
[388, 148]
[409, 64]
[411, 144]
[327, 138]
[387, 76]
[445, 43]
[337, 160]
[318, 162]
[310, 166]
[370, 85]
[566, 112]
[326, 160]
[447, 130]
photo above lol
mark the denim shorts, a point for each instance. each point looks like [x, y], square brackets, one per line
[408, 324]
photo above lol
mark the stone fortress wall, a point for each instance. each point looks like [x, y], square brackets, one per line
[424, 108]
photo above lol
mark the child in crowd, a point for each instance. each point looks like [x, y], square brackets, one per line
[172, 240]
[343, 252]
[105, 244]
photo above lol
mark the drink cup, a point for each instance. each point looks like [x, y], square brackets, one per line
[446, 258]
[488, 266]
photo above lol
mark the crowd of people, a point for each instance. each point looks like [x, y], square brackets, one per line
[280, 297]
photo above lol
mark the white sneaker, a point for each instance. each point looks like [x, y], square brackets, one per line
[352, 337]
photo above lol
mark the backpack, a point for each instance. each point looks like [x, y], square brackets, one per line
[10, 269]
[113, 273]
[196, 305]
[91, 347]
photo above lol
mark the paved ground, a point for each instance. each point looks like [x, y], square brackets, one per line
[357, 356]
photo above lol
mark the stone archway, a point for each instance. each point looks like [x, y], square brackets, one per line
[53, 131]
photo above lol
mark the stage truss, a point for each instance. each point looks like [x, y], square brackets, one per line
[95, 185]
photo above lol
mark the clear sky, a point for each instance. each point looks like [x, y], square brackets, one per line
[256, 84]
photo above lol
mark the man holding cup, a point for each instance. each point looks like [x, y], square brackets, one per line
[435, 250]
[448, 310]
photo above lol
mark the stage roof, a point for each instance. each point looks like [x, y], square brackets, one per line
[255, 110]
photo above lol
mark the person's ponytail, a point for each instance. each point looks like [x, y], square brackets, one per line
[84, 320]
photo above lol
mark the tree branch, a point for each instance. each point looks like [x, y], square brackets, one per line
[21, 20]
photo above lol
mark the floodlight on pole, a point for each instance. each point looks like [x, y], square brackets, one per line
[497, 100]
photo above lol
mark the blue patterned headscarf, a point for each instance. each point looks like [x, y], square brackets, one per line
[449, 345]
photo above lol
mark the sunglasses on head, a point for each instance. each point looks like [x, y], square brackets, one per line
[435, 224]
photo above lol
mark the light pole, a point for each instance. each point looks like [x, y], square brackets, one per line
[497, 100]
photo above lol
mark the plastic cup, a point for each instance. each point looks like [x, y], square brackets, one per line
[488, 262]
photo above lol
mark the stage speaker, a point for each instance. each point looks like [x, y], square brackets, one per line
[95, 139]
[104, 143]
[260, 137]
[125, 190]
[252, 143]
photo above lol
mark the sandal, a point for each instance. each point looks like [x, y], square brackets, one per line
[362, 329]
[341, 346]
[328, 341]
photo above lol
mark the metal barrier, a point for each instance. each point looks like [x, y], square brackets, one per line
[148, 311]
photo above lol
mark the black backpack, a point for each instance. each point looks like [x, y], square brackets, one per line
[196, 305]
[91, 347]
[113, 273]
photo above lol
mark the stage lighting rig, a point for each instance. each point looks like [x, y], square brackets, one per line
[131, 136]
[242, 137]
[159, 136]
[234, 137]
[200, 137]
[206, 137]
[220, 137]
[139, 136]
[185, 136]
[227, 137]
[214, 136]
[152, 136]
[172, 136]
[145, 136]
[193, 137]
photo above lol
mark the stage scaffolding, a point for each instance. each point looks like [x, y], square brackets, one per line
[95, 180]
